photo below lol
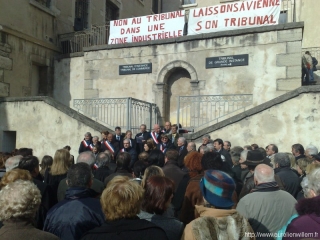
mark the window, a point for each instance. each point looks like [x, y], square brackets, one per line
[155, 6]
[186, 2]
[3, 37]
[9, 141]
[283, 17]
[81, 15]
[112, 12]
[45, 3]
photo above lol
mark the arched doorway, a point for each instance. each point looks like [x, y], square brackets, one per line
[178, 85]
[177, 78]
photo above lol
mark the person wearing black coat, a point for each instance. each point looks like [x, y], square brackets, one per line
[86, 143]
[31, 164]
[165, 144]
[183, 151]
[287, 176]
[141, 138]
[225, 155]
[79, 212]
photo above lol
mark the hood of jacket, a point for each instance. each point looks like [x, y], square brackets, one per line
[80, 192]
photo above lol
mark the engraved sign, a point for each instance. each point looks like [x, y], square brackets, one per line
[227, 61]
[135, 68]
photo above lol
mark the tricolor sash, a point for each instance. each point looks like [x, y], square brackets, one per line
[91, 146]
[153, 135]
[95, 166]
[122, 150]
[108, 145]
[162, 148]
[85, 143]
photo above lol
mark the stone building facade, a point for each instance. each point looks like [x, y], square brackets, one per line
[179, 68]
[30, 37]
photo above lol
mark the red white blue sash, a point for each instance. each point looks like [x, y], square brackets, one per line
[108, 145]
[85, 144]
[122, 150]
[153, 135]
[162, 148]
[91, 146]
[95, 166]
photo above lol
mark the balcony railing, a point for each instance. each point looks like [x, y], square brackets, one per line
[76, 41]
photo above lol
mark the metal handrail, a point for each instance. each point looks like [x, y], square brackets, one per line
[204, 110]
[127, 113]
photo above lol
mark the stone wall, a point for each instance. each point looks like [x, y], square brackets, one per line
[69, 79]
[44, 125]
[274, 65]
[289, 119]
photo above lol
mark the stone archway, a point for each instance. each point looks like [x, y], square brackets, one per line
[168, 75]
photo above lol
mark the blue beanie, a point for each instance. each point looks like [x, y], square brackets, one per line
[217, 188]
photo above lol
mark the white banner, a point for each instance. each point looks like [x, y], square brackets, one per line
[234, 15]
[147, 28]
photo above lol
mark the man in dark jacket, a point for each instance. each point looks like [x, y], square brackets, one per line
[101, 166]
[123, 162]
[171, 168]
[97, 185]
[182, 150]
[284, 171]
[225, 155]
[131, 151]
[255, 158]
[141, 138]
[78, 212]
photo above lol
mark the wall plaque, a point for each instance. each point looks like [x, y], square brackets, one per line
[135, 68]
[227, 61]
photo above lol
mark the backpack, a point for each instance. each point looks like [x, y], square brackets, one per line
[314, 63]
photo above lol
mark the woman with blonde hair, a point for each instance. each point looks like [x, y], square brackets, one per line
[120, 202]
[13, 175]
[57, 171]
[301, 168]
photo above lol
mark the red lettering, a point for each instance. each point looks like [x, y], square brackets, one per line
[120, 22]
[244, 21]
[211, 24]
[226, 20]
[119, 40]
[199, 26]
[149, 17]
[137, 20]
[233, 22]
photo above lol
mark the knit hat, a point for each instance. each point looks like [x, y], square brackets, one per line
[217, 188]
[254, 157]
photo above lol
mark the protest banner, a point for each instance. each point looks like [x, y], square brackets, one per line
[233, 16]
[147, 28]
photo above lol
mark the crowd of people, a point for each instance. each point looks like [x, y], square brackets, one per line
[156, 185]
